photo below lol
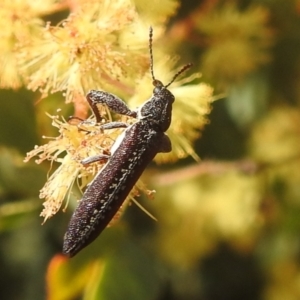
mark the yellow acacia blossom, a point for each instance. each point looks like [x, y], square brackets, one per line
[99, 43]
[86, 51]
[19, 20]
[242, 36]
[75, 143]
[237, 218]
[156, 11]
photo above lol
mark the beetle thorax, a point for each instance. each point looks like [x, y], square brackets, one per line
[158, 108]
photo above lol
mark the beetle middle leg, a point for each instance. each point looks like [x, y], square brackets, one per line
[95, 158]
[104, 157]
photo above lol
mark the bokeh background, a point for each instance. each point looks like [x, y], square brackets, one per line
[228, 226]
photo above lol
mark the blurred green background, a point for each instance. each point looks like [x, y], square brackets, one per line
[228, 227]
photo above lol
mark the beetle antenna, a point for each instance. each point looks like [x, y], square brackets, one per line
[183, 69]
[151, 52]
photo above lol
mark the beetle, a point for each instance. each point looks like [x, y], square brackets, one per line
[130, 154]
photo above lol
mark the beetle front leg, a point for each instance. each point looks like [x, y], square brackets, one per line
[114, 103]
